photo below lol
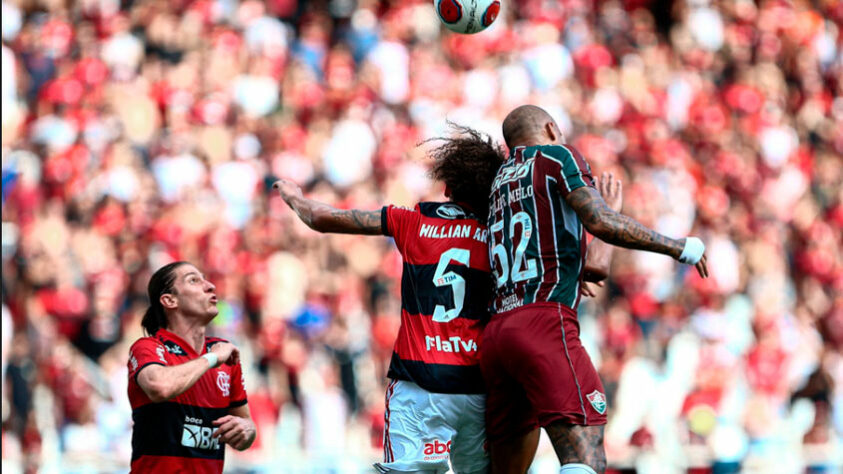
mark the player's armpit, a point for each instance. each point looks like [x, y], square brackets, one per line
[618, 229]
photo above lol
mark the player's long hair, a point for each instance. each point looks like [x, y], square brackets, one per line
[467, 163]
[161, 282]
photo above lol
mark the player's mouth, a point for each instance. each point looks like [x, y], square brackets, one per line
[214, 299]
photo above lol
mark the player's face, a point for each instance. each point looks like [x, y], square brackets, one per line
[194, 294]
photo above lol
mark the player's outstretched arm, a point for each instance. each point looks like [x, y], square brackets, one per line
[617, 229]
[600, 253]
[162, 383]
[324, 218]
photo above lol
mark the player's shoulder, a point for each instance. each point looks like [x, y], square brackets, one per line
[560, 153]
[146, 341]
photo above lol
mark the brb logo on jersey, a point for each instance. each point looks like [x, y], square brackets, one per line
[436, 450]
[223, 383]
[195, 436]
[449, 211]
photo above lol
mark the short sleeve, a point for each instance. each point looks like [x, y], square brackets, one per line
[144, 352]
[399, 223]
[574, 171]
[238, 387]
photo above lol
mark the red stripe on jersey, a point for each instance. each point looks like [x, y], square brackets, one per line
[545, 220]
[165, 464]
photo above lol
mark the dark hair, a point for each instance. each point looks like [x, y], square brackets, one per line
[467, 163]
[161, 282]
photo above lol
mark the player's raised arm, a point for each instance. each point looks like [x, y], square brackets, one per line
[162, 383]
[617, 229]
[324, 218]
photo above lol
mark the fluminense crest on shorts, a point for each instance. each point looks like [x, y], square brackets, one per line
[598, 401]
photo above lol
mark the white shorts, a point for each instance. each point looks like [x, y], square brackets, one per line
[423, 430]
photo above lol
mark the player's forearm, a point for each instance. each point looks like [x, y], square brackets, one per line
[598, 261]
[324, 218]
[624, 231]
[617, 229]
[165, 383]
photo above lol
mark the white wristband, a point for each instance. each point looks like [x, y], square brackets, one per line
[693, 251]
[213, 359]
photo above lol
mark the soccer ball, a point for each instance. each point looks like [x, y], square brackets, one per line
[467, 16]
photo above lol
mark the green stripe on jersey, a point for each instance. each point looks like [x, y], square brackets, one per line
[570, 171]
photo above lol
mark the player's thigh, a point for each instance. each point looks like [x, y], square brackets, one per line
[578, 444]
[416, 435]
[508, 412]
[468, 447]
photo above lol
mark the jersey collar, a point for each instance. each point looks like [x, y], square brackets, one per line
[181, 342]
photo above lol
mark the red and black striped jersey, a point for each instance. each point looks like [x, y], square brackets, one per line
[175, 436]
[537, 244]
[445, 292]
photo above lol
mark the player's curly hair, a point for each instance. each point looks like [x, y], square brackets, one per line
[467, 163]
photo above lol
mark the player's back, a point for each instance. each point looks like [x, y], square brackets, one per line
[445, 292]
[536, 241]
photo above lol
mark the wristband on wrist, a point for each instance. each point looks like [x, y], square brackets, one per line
[693, 251]
[213, 359]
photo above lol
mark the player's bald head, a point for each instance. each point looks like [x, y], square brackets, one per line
[528, 123]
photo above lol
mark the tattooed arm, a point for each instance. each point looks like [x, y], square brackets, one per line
[324, 218]
[617, 229]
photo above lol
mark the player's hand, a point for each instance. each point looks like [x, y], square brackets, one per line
[287, 189]
[227, 352]
[612, 190]
[234, 431]
[702, 267]
[587, 290]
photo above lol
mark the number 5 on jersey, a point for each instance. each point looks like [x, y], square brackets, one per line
[522, 268]
[456, 282]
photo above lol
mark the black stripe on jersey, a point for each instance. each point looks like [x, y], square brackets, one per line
[238, 403]
[160, 429]
[445, 210]
[420, 295]
[437, 378]
[384, 222]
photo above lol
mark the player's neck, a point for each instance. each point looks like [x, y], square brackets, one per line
[190, 330]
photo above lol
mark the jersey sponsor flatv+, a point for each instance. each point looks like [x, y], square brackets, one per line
[445, 292]
[537, 244]
[175, 435]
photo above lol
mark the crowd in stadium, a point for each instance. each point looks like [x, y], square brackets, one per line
[135, 133]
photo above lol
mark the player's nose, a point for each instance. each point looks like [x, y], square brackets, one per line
[209, 287]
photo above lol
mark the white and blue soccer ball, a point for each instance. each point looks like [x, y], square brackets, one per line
[467, 16]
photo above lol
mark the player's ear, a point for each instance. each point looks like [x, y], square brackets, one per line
[551, 131]
[169, 301]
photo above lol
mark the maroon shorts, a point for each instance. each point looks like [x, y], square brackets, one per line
[537, 372]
